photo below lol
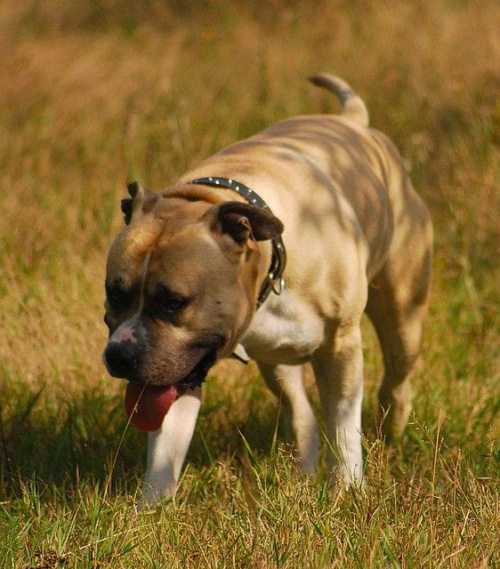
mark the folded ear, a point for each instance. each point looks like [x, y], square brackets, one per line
[140, 203]
[243, 221]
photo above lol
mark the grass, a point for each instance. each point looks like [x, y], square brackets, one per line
[95, 94]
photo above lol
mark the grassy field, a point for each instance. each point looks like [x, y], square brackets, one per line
[95, 94]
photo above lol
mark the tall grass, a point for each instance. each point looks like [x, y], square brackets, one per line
[94, 94]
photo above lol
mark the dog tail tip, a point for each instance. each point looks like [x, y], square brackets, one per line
[353, 106]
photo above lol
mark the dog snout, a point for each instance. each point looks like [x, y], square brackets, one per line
[122, 358]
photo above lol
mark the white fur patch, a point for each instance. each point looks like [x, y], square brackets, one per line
[284, 330]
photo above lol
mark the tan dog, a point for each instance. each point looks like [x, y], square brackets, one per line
[198, 272]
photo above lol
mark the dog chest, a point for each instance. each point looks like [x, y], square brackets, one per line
[285, 330]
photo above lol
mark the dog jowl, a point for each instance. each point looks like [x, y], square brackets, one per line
[275, 246]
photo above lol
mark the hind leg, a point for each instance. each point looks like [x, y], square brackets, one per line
[398, 309]
[286, 382]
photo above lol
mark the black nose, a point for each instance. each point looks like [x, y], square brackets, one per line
[122, 359]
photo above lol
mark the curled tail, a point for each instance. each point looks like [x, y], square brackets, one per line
[353, 106]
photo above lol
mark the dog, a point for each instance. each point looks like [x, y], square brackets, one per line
[273, 249]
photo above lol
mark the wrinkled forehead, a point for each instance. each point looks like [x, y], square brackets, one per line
[177, 252]
[181, 260]
[129, 251]
[151, 231]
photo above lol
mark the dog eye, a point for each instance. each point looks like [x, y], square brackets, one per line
[166, 304]
[118, 298]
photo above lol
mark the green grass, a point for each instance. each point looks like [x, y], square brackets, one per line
[96, 94]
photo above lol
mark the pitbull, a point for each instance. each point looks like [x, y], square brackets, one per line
[273, 248]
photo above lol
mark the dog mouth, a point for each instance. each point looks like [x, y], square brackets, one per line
[198, 374]
[147, 405]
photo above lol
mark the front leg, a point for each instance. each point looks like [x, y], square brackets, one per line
[286, 382]
[339, 374]
[168, 446]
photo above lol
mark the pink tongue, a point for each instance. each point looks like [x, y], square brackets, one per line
[147, 406]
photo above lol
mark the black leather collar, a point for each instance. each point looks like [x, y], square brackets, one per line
[274, 280]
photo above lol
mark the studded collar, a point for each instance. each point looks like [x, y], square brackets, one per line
[274, 281]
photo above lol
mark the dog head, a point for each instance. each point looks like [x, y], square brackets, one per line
[181, 284]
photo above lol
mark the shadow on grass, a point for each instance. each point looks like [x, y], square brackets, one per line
[86, 437]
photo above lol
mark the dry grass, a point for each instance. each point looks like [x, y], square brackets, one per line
[94, 94]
